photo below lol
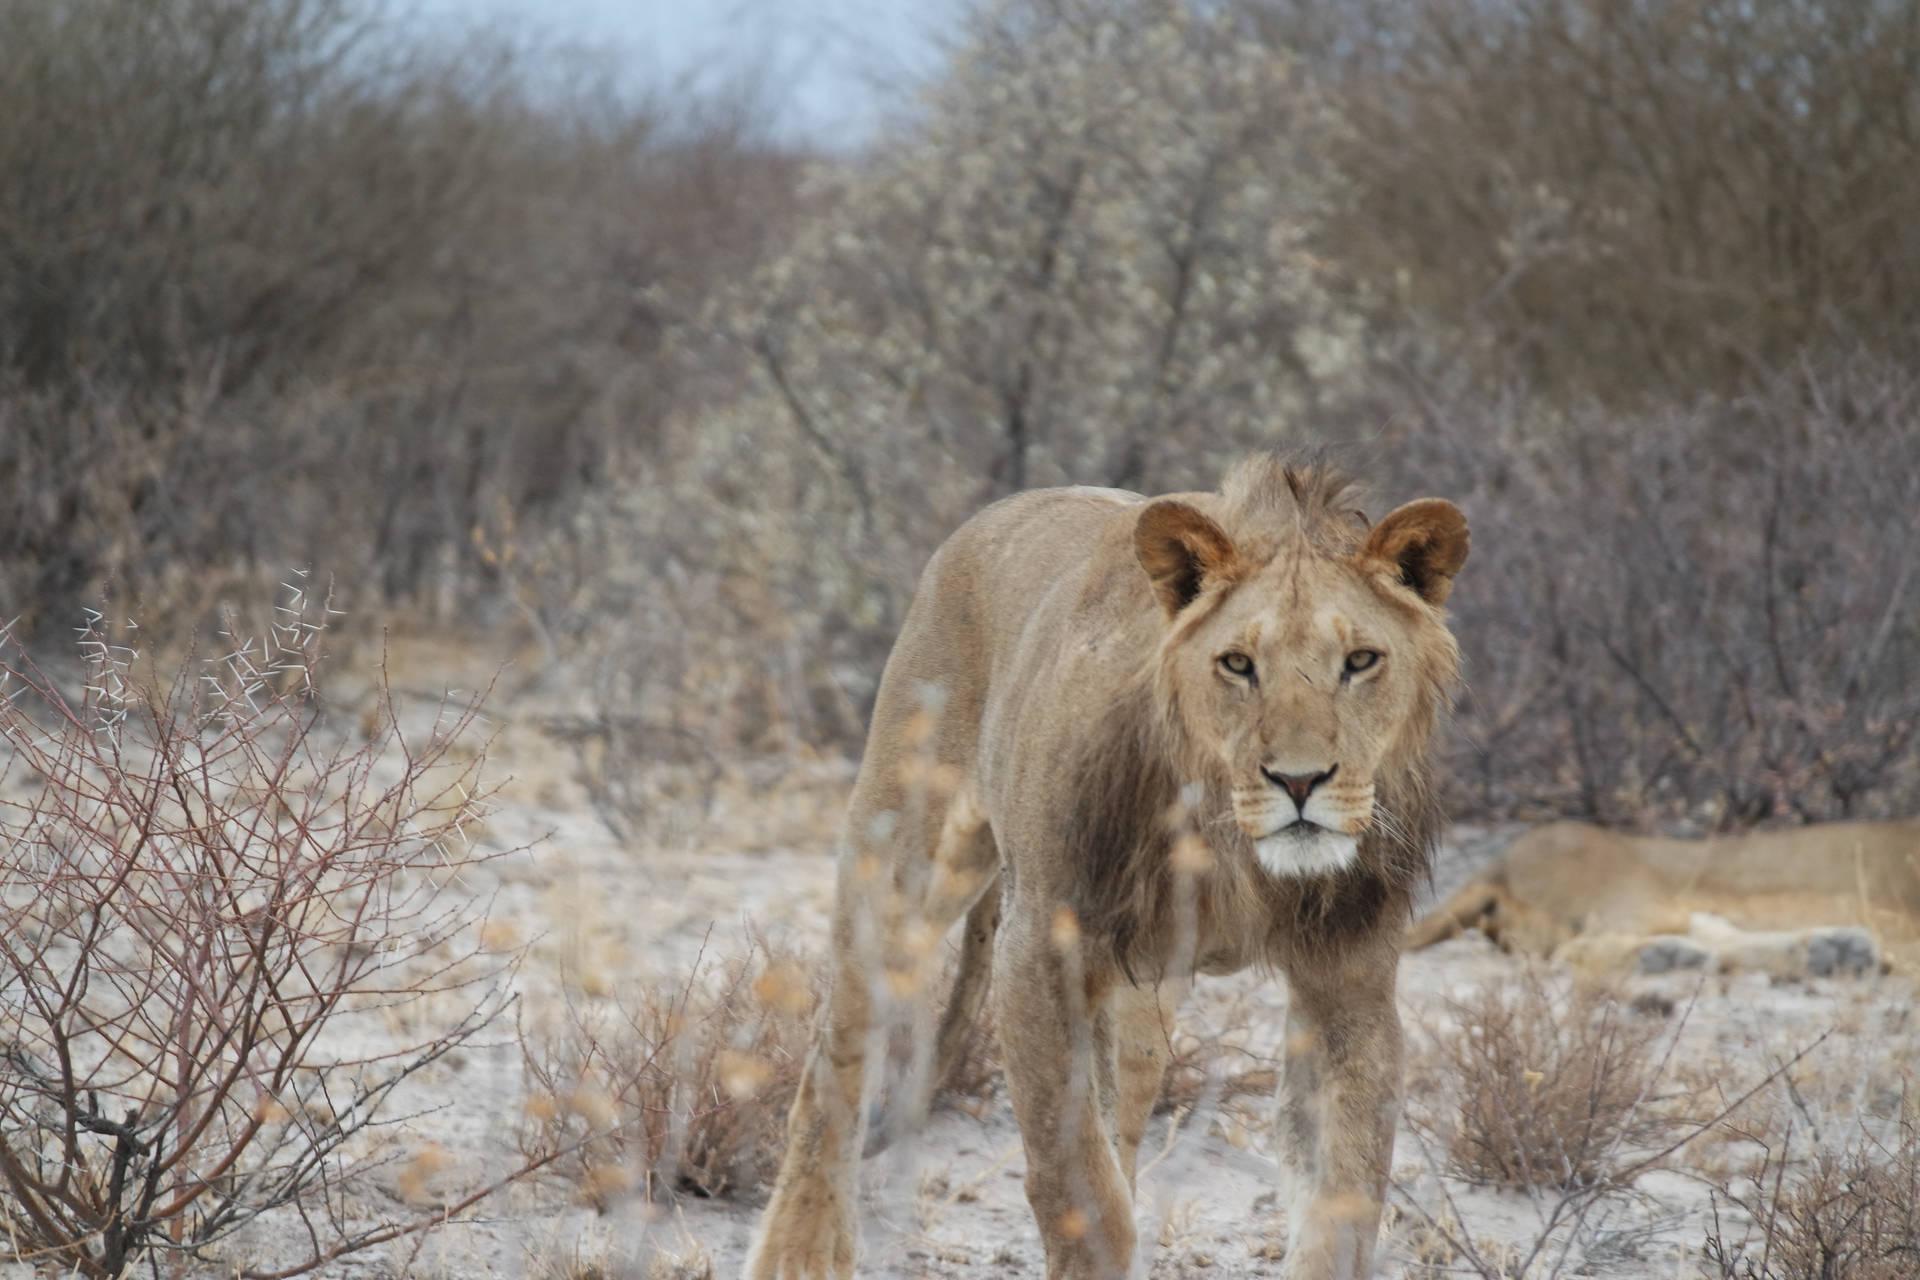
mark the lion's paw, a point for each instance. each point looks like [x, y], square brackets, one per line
[1665, 954]
[802, 1238]
[1842, 953]
[787, 1261]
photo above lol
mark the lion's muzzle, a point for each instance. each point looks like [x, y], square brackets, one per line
[1306, 849]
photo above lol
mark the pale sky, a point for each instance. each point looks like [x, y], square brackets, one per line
[825, 71]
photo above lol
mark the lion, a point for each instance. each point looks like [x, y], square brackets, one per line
[1131, 740]
[1833, 897]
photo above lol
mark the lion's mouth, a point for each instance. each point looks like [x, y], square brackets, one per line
[1304, 848]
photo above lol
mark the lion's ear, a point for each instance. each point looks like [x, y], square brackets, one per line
[1180, 549]
[1423, 543]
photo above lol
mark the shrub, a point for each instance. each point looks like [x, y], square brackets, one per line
[1082, 260]
[686, 1088]
[202, 892]
[1552, 1093]
[1705, 613]
[1638, 299]
[1847, 1213]
[1544, 1092]
[1085, 260]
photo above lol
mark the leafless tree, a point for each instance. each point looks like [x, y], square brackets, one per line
[205, 896]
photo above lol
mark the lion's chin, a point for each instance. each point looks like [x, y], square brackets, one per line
[1302, 850]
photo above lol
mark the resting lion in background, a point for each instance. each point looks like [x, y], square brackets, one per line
[1129, 740]
[1830, 898]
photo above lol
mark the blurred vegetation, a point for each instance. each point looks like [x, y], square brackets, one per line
[1626, 200]
[276, 285]
[1636, 283]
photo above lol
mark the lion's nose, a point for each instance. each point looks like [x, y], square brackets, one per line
[1298, 785]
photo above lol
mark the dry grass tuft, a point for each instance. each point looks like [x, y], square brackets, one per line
[686, 1089]
[1552, 1093]
[598, 1252]
[1438, 1248]
[1545, 1090]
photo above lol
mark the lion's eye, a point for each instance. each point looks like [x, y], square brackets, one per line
[1238, 664]
[1360, 660]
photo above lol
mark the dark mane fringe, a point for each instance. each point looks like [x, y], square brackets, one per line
[1120, 829]
[1118, 839]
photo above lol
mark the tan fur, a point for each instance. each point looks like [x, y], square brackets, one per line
[1596, 898]
[1130, 740]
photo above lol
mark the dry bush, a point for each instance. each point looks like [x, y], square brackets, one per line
[261, 253]
[1658, 358]
[1639, 297]
[1851, 1213]
[1709, 614]
[1085, 260]
[686, 1088]
[1657, 591]
[1214, 1070]
[1552, 1094]
[214, 912]
[1667, 559]
[1633, 202]
[1542, 1090]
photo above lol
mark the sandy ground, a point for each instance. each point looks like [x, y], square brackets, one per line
[595, 916]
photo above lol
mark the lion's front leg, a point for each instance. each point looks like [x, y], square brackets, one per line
[1057, 1045]
[1338, 1103]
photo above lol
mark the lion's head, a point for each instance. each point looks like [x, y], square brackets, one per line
[1305, 655]
[1283, 715]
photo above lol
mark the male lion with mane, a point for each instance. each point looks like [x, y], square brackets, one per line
[1174, 735]
[1834, 897]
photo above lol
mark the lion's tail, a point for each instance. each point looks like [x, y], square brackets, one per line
[1463, 910]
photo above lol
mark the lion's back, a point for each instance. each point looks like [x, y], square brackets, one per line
[1004, 593]
[1019, 569]
[1873, 865]
[1031, 539]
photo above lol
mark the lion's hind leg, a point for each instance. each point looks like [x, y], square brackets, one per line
[1471, 907]
[807, 1229]
[892, 905]
[969, 995]
[935, 1059]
